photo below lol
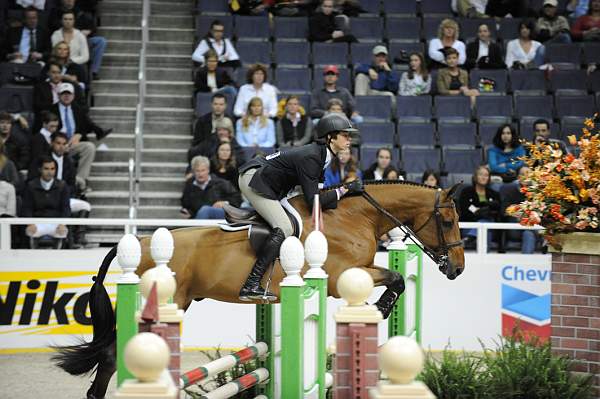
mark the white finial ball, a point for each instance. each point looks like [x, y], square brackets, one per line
[401, 359]
[315, 248]
[355, 285]
[161, 245]
[146, 356]
[165, 283]
[129, 252]
[291, 255]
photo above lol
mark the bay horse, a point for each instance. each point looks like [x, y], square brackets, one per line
[211, 263]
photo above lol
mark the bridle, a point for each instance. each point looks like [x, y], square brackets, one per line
[438, 254]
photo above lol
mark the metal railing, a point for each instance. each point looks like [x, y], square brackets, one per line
[135, 164]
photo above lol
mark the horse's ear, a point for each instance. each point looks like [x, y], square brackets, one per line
[452, 190]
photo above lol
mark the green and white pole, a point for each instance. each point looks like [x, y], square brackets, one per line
[129, 254]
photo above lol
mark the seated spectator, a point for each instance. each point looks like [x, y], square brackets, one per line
[504, 156]
[587, 27]
[40, 142]
[223, 163]
[206, 125]
[10, 185]
[510, 194]
[328, 26]
[550, 27]
[351, 8]
[454, 81]
[86, 23]
[46, 197]
[215, 40]
[320, 97]
[213, 79]
[70, 72]
[416, 80]
[250, 7]
[294, 128]
[506, 8]
[205, 194]
[295, 8]
[483, 53]
[256, 86]
[16, 142]
[223, 132]
[8, 200]
[478, 203]
[578, 8]
[342, 169]
[431, 178]
[382, 167]
[254, 129]
[29, 42]
[377, 78]
[471, 8]
[541, 135]
[523, 52]
[447, 37]
[76, 40]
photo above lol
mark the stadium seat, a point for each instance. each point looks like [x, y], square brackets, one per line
[431, 26]
[9, 69]
[527, 82]
[497, 75]
[487, 131]
[417, 160]
[255, 28]
[377, 133]
[397, 47]
[368, 155]
[470, 26]
[452, 108]
[591, 53]
[533, 107]
[371, 7]
[404, 7]
[252, 52]
[457, 160]
[291, 53]
[429, 7]
[290, 28]
[361, 53]
[16, 99]
[343, 80]
[367, 29]
[509, 28]
[374, 108]
[330, 53]
[564, 53]
[203, 24]
[293, 80]
[413, 108]
[568, 82]
[494, 108]
[593, 81]
[457, 134]
[403, 29]
[213, 7]
[581, 106]
[416, 134]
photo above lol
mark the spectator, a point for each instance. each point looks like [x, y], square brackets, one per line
[578, 8]
[205, 194]
[256, 86]
[16, 142]
[550, 27]
[587, 27]
[431, 178]
[523, 52]
[342, 169]
[483, 53]
[504, 157]
[46, 197]
[320, 97]
[478, 203]
[254, 129]
[86, 23]
[250, 7]
[38, 4]
[40, 142]
[327, 26]
[453, 80]
[76, 40]
[295, 8]
[215, 40]
[334, 105]
[223, 163]
[472, 8]
[8, 170]
[224, 132]
[541, 135]
[506, 8]
[416, 80]
[447, 37]
[70, 71]
[206, 125]
[213, 79]
[29, 42]
[294, 128]
[510, 194]
[382, 166]
[9, 180]
[378, 78]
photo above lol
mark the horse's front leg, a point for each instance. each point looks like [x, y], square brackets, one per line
[395, 287]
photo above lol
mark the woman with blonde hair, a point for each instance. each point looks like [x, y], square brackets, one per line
[255, 129]
[73, 37]
[70, 71]
[448, 33]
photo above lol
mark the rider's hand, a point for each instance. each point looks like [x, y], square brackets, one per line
[355, 187]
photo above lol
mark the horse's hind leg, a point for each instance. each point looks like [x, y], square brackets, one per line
[395, 287]
[104, 372]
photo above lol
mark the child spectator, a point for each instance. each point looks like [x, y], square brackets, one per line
[416, 80]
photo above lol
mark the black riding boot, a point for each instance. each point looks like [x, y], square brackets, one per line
[266, 256]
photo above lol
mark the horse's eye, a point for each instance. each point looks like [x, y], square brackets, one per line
[448, 224]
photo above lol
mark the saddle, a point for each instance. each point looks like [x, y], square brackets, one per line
[258, 229]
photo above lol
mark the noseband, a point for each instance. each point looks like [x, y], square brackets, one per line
[438, 254]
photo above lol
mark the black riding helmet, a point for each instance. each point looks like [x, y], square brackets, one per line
[332, 123]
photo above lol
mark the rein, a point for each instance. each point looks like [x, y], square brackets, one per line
[439, 254]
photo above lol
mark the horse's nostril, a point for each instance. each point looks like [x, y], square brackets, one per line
[459, 272]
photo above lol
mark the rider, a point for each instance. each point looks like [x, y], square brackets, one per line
[265, 181]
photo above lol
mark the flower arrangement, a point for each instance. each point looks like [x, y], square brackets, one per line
[562, 191]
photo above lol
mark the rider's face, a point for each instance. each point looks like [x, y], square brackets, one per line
[341, 142]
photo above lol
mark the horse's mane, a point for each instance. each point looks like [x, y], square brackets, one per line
[385, 182]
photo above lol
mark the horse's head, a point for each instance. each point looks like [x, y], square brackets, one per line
[437, 228]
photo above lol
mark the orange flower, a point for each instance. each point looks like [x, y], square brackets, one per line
[569, 158]
[572, 139]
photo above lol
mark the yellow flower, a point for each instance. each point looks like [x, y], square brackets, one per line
[572, 139]
[583, 194]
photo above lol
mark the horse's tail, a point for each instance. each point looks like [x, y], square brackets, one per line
[82, 358]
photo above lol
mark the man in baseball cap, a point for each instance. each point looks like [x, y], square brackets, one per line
[550, 27]
[330, 89]
[377, 78]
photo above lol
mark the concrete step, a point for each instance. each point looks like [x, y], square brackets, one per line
[153, 73]
[148, 155]
[152, 87]
[144, 212]
[154, 48]
[152, 100]
[181, 35]
[158, 6]
[156, 60]
[112, 113]
[151, 128]
[165, 141]
[110, 19]
[147, 198]
[149, 169]
[121, 183]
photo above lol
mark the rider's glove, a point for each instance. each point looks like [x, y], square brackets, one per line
[354, 187]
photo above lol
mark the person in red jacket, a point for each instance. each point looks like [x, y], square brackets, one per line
[587, 27]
